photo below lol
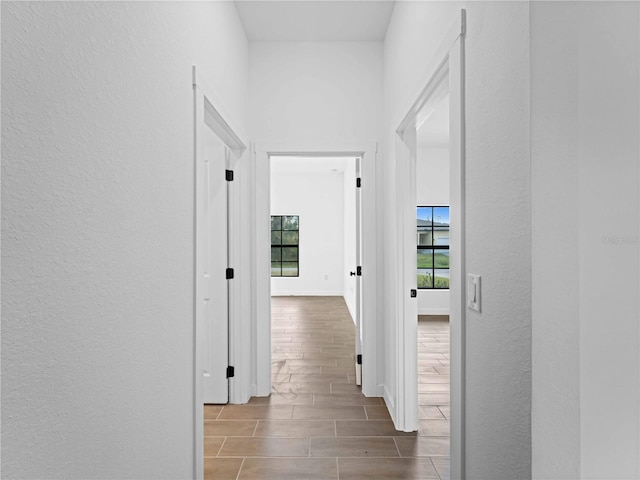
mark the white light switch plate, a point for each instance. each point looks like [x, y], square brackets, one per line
[473, 292]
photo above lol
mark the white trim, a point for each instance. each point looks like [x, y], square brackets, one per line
[446, 65]
[232, 129]
[388, 398]
[260, 252]
[457, 291]
[317, 149]
[366, 150]
[457, 29]
[208, 109]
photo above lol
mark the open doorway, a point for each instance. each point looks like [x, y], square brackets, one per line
[433, 273]
[444, 79]
[315, 272]
[364, 271]
[218, 310]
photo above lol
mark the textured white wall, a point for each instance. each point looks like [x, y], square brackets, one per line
[318, 198]
[555, 406]
[432, 188]
[585, 167]
[498, 359]
[97, 241]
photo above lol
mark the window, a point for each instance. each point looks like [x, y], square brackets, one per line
[285, 236]
[433, 247]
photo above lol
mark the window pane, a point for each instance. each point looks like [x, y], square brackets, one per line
[289, 269]
[423, 224]
[425, 258]
[441, 215]
[276, 268]
[276, 237]
[289, 254]
[441, 258]
[290, 222]
[441, 278]
[425, 213]
[425, 279]
[290, 238]
[440, 226]
[276, 254]
[276, 222]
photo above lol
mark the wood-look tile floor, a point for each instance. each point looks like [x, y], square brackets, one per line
[316, 424]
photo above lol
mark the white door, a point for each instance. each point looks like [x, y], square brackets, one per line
[358, 248]
[214, 258]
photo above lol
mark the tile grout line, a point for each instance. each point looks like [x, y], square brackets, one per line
[255, 429]
[396, 444]
[434, 467]
[337, 469]
[221, 445]
[240, 469]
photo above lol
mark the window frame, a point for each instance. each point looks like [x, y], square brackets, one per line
[434, 249]
[281, 246]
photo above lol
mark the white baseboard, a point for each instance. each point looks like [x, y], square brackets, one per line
[378, 391]
[433, 311]
[351, 312]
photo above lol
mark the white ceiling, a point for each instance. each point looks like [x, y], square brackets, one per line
[315, 20]
[308, 164]
[434, 132]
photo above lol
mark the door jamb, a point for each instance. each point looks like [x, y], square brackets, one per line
[261, 381]
[449, 59]
[209, 110]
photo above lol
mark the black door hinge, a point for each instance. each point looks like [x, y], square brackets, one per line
[414, 293]
[228, 175]
[231, 371]
[359, 271]
[230, 273]
[359, 359]
[358, 182]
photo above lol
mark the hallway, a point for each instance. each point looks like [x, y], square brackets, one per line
[316, 424]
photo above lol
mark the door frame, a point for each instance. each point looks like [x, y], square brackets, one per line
[447, 65]
[209, 112]
[261, 255]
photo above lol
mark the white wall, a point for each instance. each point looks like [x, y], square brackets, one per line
[97, 218]
[318, 198]
[585, 85]
[350, 260]
[498, 344]
[315, 92]
[432, 188]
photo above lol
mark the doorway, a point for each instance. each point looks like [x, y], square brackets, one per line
[433, 273]
[445, 78]
[218, 310]
[365, 308]
[315, 236]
